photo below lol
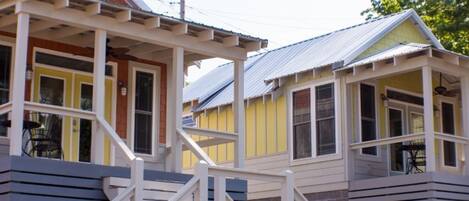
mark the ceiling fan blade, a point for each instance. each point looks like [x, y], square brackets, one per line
[126, 57]
[118, 51]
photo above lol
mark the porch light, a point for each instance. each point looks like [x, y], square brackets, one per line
[123, 88]
[385, 100]
[29, 72]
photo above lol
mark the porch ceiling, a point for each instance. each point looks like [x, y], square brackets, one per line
[148, 35]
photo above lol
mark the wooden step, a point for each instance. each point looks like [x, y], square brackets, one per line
[153, 190]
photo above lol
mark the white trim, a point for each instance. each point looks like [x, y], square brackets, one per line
[312, 86]
[388, 133]
[452, 102]
[377, 119]
[12, 65]
[156, 71]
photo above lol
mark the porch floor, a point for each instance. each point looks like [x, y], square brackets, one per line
[24, 178]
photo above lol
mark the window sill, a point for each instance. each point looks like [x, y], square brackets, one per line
[318, 159]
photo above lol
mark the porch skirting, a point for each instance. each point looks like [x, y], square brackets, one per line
[25, 179]
[425, 186]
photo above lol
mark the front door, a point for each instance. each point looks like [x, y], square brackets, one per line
[403, 119]
[68, 88]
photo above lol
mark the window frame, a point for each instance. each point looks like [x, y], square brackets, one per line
[155, 70]
[12, 46]
[451, 101]
[337, 121]
[377, 118]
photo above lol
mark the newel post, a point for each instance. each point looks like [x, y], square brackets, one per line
[201, 171]
[288, 193]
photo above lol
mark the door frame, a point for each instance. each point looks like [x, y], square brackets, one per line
[156, 71]
[406, 109]
[113, 78]
[12, 45]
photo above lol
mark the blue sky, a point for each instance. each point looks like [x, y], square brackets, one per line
[281, 22]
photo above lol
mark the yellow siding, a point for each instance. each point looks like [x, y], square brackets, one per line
[251, 130]
[271, 114]
[230, 128]
[213, 125]
[260, 129]
[406, 32]
[222, 127]
[282, 124]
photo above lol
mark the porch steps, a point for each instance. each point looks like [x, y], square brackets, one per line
[153, 190]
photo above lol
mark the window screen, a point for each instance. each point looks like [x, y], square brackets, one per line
[143, 128]
[69, 63]
[5, 63]
[302, 124]
[368, 117]
[325, 120]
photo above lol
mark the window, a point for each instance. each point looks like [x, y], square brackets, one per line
[143, 115]
[325, 119]
[69, 63]
[368, 117]
[449, 148]
[302, 124]
[313, 122]
[5, 62]
[86, 103]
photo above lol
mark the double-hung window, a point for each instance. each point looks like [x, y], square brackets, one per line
[144, 115]
[314, 121]
[368, 117]
[5, 61]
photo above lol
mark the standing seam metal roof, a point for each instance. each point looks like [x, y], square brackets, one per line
[299, 57]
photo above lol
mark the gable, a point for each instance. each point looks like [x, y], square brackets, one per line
[407, 32]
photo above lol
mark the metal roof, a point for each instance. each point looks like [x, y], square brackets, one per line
[398, 50]
[217, 89]
[344, 45]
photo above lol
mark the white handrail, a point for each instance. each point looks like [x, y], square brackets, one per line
[136, 164]
[298, 195]
[452, 138]
[5, 108]
[59, 110]
[211, 133]
[386, 141]
[192, 145]
[245, 174]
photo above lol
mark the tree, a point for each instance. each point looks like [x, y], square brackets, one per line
[447, 19]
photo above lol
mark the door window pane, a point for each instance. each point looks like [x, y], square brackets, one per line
[302, 124]
[449, 148]
[395, 129]
[5, 63]
[325, 120]
[86, 103]
[368, 116]
[51, 92]
[143, 128]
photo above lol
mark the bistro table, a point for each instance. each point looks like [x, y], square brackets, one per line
[415, 160]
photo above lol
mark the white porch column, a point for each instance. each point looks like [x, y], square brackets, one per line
[97, 142]
[177, 83]
[19, 74]
[465, 121]
[428, 119]
[238, 111]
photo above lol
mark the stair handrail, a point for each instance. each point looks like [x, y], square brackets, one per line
[135, 189]
[289, 191]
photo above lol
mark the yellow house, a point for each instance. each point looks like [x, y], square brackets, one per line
[356, 113]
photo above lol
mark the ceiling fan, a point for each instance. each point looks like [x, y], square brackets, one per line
[114, 53]
[441, 90]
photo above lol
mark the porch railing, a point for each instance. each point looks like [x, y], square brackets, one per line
[136, 164]
[387, 141]
[206, 167]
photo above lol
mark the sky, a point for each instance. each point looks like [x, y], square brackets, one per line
[280, 22]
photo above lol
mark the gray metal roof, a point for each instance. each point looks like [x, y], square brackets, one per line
[216, 89]
[344, 45]
[398, 50]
